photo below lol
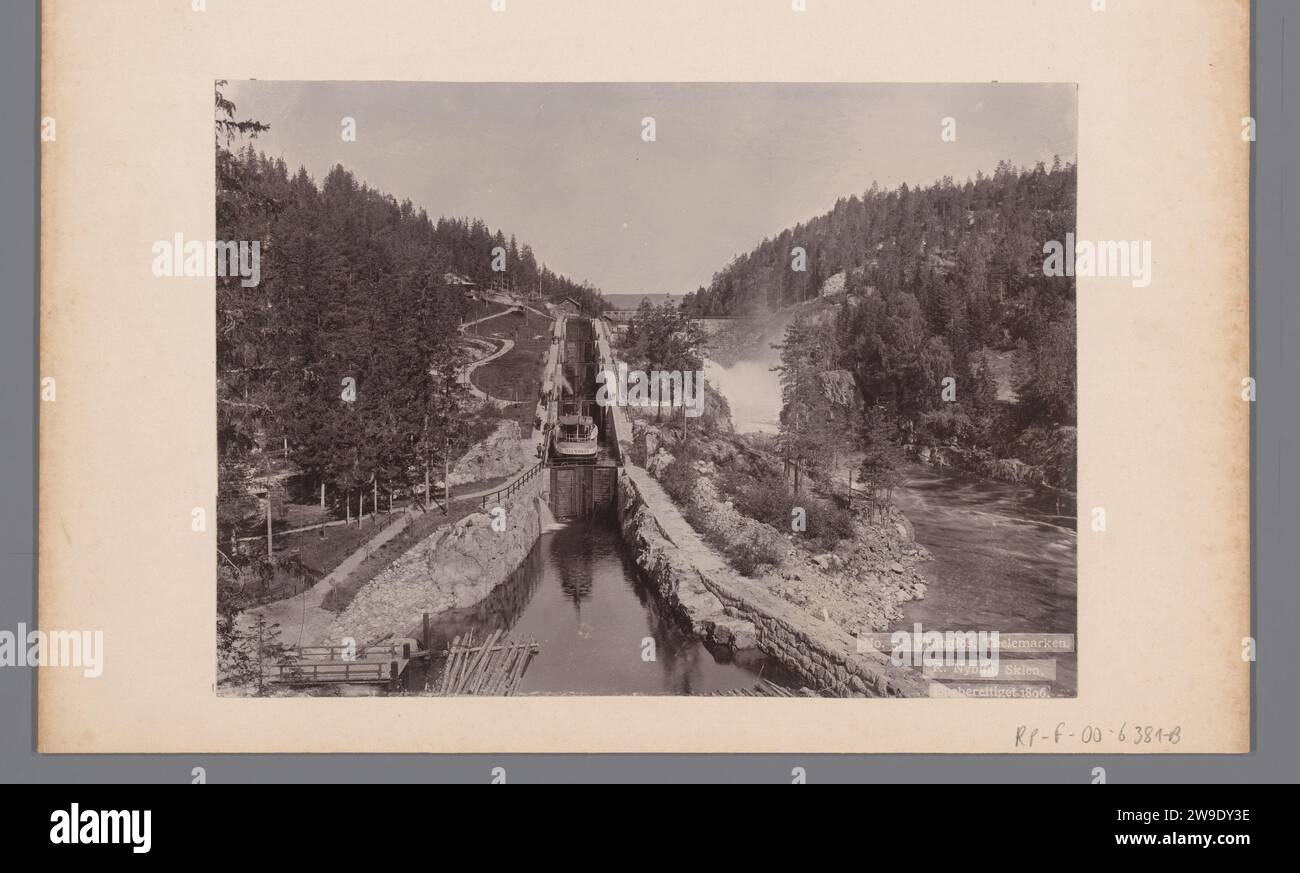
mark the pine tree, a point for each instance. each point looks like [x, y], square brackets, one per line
[806, 437]
[881, 470]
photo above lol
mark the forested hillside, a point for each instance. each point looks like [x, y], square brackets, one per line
[348, 347]
[942, 281]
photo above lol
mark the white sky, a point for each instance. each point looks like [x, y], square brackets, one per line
[563, 166]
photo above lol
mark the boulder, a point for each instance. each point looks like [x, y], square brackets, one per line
[839, 388]
[657, 462]
[732, 631]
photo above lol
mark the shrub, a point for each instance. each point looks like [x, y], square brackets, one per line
[762, 497]
[950, 425]
[767, 498]
[747, 556]
[829, 523]
[679, 479]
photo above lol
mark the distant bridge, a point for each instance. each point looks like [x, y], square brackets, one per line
[622, 316]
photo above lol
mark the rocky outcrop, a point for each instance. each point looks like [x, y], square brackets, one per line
[500, 454]
[863, 582]
[1044, 458]
[839, 388]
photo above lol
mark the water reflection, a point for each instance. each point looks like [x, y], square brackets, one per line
[602, 630]
[575, 568]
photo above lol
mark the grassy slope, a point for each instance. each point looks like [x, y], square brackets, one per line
[518, 373]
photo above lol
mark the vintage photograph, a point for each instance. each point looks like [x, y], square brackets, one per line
[646, 389]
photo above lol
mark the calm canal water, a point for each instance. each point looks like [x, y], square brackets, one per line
[580, 596]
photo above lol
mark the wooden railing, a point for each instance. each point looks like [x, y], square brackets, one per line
[338, 671]
[629, 314]
[382, 662]
[404, 649]
[514, 487]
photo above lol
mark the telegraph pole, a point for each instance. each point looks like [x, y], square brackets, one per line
[270, 553]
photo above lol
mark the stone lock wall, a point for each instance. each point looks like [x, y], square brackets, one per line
[729, 609]
[455, 566]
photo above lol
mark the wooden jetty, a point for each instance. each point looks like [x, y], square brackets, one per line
[375, 663]
[493, 668]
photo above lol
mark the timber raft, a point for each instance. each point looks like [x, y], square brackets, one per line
[494, 668]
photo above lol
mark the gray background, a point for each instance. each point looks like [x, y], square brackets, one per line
[1275, 472]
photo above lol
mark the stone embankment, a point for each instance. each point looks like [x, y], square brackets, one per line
[730, 609]
[859, 582]
[454, 567]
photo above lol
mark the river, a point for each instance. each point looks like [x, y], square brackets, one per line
[1004, 554]
[1004, 560]
[753, 391]
[580, 596]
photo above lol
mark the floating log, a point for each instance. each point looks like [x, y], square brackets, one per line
[493, 668]
[762, 688]
[450, 668]
[446, 667]
[474, 663]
